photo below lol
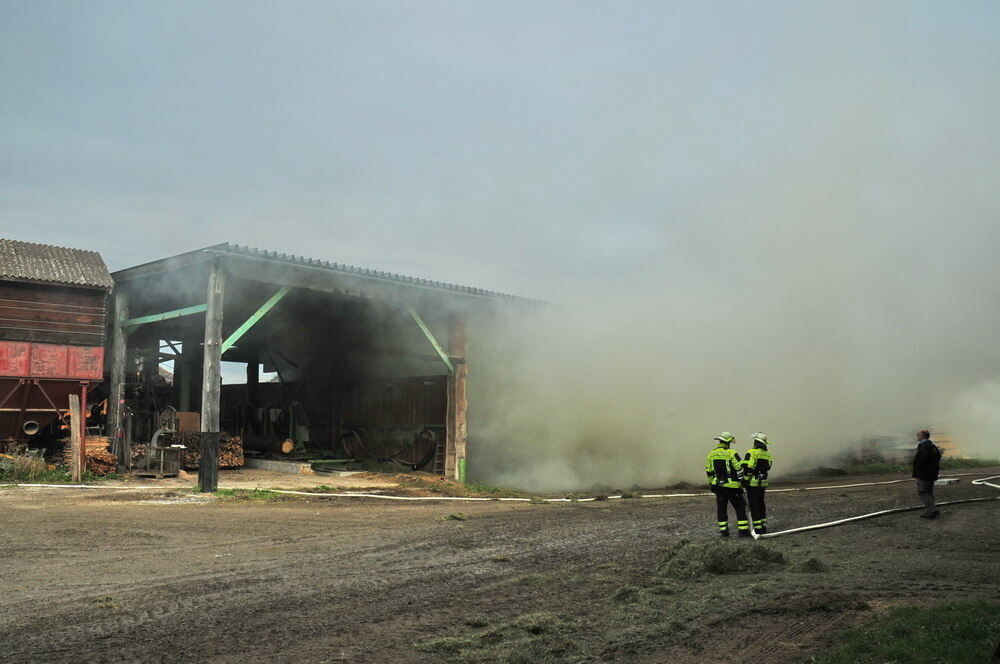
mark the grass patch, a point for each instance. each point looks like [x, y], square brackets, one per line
[249, 496]
[30, 469]
[688, 560]
[958, 633]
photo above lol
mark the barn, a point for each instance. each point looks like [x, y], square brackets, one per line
[295, 356]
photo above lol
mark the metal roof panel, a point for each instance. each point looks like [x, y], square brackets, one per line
[46, 263]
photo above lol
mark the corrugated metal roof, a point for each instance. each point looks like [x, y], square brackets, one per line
[45, 263]
[339, 267]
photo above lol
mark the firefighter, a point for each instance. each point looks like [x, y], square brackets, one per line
[756, 465]
[724, 478]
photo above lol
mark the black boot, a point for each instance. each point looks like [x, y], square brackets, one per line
[744, 533]
[723, 533]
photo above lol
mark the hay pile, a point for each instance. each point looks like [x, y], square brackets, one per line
[688, 560]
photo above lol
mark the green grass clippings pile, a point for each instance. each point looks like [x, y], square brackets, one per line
[689, 560]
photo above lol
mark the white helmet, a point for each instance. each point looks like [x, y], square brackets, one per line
[725, 437]
[760, 437]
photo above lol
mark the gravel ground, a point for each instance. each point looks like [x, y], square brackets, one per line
[105, 576]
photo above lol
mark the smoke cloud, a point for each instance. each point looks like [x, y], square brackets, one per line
[814, 299]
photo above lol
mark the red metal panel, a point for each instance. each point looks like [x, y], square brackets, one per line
[49, 360]
[86, 362]
[28, 360]
[15, 358]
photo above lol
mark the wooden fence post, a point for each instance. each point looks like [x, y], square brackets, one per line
[75, 444]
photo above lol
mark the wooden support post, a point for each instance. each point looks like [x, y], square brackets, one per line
[116, 399]
[457, 425]
[211, 386]
[76, 445]
[83, 427]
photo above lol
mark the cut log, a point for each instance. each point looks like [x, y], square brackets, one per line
[272, 445]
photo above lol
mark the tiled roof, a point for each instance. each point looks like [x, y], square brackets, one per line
[45, 263]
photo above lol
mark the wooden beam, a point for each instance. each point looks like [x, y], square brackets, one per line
[211, 386]
[116, 399]
[166, 315]
[254, 318]
[433, 341]
[457, 425]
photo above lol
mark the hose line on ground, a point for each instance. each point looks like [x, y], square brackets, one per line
[980, 482]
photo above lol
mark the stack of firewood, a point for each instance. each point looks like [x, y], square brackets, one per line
[230, 449]
[99, 460]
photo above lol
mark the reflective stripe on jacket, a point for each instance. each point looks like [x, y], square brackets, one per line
[756, 466]
[723, 467]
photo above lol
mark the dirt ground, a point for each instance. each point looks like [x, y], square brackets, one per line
[251, 478]
[146, 576]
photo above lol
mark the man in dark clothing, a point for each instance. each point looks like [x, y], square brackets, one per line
[926, 466]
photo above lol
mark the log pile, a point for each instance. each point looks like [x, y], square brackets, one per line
[230, 449]
[99, 460]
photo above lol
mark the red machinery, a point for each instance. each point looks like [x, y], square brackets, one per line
[36, 380]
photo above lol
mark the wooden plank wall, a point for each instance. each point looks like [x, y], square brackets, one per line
[52, 314]
[399, 402]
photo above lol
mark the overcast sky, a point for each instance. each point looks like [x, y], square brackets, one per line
[531, 147]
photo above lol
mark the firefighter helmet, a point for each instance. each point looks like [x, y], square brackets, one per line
[725, 437]
[760, 437]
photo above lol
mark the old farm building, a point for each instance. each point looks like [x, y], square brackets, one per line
[328, 357]
[52, 336]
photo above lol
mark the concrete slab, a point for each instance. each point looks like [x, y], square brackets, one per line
[290, 467]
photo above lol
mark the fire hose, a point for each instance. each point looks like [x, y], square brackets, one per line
[984, 481]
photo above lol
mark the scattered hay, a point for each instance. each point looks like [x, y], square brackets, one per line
[476, 621]
[536, 623]
[457, 516]
[533, 638]
[688, 560]
[811, 566]
[627, 594]
[820, 601]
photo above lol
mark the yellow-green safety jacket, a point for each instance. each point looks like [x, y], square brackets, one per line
[723, 467]
[756, 466]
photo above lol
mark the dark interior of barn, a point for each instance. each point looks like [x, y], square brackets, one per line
[315, 361]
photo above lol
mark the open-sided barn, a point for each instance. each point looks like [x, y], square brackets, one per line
[331, 357]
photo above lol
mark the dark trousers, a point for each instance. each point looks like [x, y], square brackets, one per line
[758, 510]
[723, 499]
[925, 491]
